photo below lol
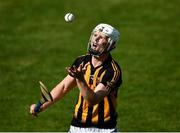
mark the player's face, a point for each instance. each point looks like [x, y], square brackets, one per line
[99, 41]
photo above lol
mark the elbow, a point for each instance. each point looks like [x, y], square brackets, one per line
[92, 100]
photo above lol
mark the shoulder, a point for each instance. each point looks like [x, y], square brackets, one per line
[113, 73]
[82, 59]
[113, 67]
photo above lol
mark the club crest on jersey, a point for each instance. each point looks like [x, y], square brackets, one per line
[92, 79]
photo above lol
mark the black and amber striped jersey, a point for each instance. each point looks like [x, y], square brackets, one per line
[103, 114]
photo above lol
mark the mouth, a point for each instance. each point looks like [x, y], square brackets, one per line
[94, 45]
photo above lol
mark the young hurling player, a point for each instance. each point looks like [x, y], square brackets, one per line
[98, 77]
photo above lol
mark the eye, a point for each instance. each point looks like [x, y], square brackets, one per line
[95, 35]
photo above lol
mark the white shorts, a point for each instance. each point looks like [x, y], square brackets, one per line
[74, 129]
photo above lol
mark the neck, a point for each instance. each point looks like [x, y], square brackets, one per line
[97, 61]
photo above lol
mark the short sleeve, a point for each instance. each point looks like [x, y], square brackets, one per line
[114, 77]
[78, 61]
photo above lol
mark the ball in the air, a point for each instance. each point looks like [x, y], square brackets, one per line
[69, 17]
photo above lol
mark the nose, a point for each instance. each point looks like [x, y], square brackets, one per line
[97, 38]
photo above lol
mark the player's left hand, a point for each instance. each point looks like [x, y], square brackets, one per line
[77, 73]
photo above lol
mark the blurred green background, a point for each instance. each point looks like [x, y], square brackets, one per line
[37, 44]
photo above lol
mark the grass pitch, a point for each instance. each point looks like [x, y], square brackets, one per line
[37, 44]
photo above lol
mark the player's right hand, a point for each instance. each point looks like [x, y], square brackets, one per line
[31, 110]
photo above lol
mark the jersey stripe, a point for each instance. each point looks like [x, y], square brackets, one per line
[116, 71]
[106, 109]
[77, 105]
[84, 111]
[79, 113]
[90, 110]
[95, 114]
[89, 116]
[101, 113]
[88, 73]
[102, 75]
[95, 76]
[112, 109]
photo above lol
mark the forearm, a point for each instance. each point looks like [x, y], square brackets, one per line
[92, 97]
[87, 92]
[57, 93]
